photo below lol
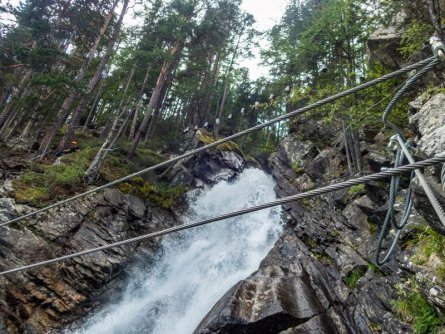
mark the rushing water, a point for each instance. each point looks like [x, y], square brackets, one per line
[199, 265]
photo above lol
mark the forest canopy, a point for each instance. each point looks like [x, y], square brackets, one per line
[72, 70]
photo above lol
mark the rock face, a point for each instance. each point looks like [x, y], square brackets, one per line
[215, 166]
[428, 122]
[206, 169]
[44, 298]
[384, 43]
[36, 300]
[319, 276]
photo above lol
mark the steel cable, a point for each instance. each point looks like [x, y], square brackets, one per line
[442, 178]
[308, 194]
[299, 111]
[390, 218]
[402, 91]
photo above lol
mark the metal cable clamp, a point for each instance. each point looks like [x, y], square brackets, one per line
[438, 47]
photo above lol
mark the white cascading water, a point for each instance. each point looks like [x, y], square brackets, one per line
[199, 265]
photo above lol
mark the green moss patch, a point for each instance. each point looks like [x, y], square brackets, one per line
[206, 138]
[412, 307]
[161, 194]
[353, 277]
[427, 243]
[44, 184]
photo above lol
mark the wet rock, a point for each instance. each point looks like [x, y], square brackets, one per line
[214, 166]
[37, 300]
[232, 160]
[136, 207]
[289, 292]
[180, 176]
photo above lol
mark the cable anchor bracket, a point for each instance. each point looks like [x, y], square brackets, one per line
[438, 47]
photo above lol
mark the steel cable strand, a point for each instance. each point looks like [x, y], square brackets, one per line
[402, 91]
[408, 197]
[442, 178]
[389, 218]
[397, 227]
[308, 194]
[299, 111]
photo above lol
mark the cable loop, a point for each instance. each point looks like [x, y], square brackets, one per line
[390, 219]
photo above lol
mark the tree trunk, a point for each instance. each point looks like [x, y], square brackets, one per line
[4, 97]
[221, 106]
[347, 147]
[159, 107]
[97, 75]
[136, 111]
[15, 124]
[93, 170]
[27, 130]
[6, 113]
[358, 155]
[166, 69]
[93, 107]
[67, 103]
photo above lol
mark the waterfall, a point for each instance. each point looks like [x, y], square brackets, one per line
[199, 265]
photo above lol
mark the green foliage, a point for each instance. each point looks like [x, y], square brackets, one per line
[53, 80]
[297, 168]
[206, 138]
[47, 183]
[372, 227]
[374, 268]
[356, 190]
[412, 307]
[353, 277]
[427, 243]
[325, 258]
[414, 36]
[161, 194]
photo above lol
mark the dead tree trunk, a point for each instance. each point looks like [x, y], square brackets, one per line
[93, 170]
[136, 111]
[166, 69]
[158, 109]
[96, 99]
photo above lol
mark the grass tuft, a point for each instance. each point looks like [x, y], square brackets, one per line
[413, 308]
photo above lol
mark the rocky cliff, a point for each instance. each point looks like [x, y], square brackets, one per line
[45, 298]
[320, 276]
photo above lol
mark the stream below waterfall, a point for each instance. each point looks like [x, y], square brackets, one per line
[197, 266]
